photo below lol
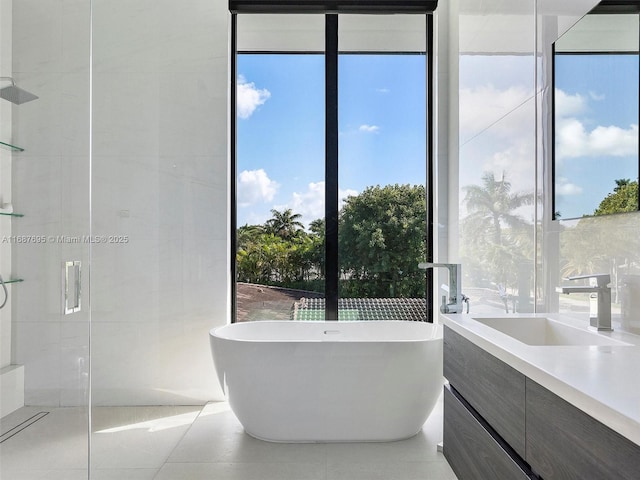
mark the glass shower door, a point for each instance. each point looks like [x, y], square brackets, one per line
[44, 226]
[159, 203]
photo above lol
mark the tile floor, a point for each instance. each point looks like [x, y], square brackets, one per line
[192, 443]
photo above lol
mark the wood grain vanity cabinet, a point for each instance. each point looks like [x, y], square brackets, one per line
[493, 388]
[563, 442]
[471, 450]
[499, 424]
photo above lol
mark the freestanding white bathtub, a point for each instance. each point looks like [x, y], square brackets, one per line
[289, 381]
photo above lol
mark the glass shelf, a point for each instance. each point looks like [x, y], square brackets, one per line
[13, 148]
[14, 280]
[12, 214]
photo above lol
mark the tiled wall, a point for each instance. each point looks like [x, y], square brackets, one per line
[5, 178]
[158, 180]
[11, 375]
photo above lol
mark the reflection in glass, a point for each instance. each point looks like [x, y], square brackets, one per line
[497, 143]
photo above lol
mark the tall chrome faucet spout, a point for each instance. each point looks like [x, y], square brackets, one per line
[456, 297]
[599, 298]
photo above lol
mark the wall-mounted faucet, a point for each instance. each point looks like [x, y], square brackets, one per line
[456, 297]
[599, 299]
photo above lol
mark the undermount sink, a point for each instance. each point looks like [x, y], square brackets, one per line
[541, 331]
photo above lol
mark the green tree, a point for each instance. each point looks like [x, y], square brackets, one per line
[382, 238]
[603, 243]
[293, 260]
[498, 239]
[253, 264]
[317, 227]
[317, 250]
[285, 224]
[624, 198]
[247, 234]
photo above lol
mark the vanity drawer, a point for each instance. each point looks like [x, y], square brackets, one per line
[493, 388]
[563, 442]
[471, 450]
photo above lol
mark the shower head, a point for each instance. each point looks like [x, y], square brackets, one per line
[15, 94]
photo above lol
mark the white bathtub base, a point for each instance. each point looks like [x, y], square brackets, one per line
[289, 382]
[357, 440]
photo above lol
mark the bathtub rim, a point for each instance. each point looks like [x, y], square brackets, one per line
[436, 331]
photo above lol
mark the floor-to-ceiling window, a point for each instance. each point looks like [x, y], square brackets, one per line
[596, 160]
[331, 204]
[596, 114]
[279, 163]
[382, 172]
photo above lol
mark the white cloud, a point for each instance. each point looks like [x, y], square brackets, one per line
[249, 97]
[382, 90]
[515, 161]
[255, 186]
[497, 136]
[369, 128]
[484, 106]
[310, 203]
[569, 105]
[573, 140]
[344, 194]
[566, 188]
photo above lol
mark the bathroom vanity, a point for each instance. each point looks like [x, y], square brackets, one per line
[542, 398]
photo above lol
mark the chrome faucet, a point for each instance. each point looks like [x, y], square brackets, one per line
[456, 297]
[599, 299]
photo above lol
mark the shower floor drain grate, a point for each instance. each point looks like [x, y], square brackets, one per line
[21, 426]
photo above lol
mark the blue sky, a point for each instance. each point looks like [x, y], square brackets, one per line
[596, 128]
[382, 125]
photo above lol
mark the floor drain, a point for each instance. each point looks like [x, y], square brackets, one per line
[21, 426]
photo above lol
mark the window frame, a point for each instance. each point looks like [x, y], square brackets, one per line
[331, 53]
[605, 7]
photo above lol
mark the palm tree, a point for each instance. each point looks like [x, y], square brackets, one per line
[498, 237]
[317, 226]
[248, 234]
[492, 207]
[284, 224]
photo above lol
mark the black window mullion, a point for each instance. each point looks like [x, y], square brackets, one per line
[430, 171]
[331, 167]
[233, 137]
[334, 6]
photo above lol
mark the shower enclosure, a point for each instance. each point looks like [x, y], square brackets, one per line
[113, 237]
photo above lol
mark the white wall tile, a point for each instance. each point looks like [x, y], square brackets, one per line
[37, 35]
[188, 105]
[37, 347]
[126, 112]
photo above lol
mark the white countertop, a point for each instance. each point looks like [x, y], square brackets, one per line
[603, 381]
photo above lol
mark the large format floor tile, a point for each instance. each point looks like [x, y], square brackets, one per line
[192, 443]
[56, 442]
[137, 437]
